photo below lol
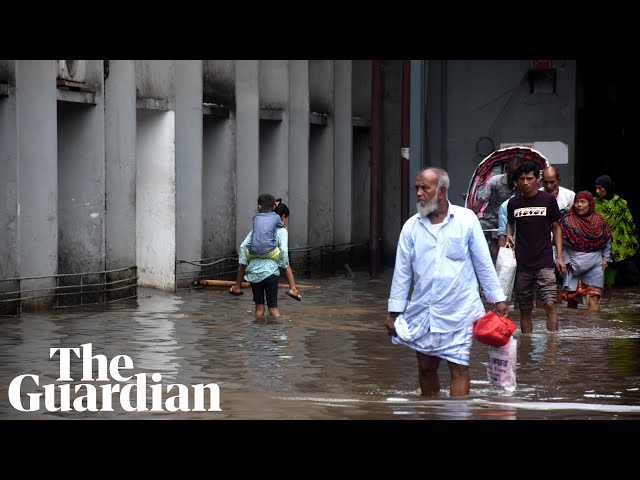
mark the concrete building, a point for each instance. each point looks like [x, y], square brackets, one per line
[123, 169]
[113, 165]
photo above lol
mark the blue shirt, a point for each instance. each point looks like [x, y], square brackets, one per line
[443, 263]
[260, 268]
[263, 238]
[502, 219]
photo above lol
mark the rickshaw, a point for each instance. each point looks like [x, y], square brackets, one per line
[494, 164]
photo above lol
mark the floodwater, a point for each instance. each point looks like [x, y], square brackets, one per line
[327, 357]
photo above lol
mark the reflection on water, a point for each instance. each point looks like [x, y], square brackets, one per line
[153, 332]
[329, 357]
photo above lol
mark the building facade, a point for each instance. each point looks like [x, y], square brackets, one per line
[112, 165]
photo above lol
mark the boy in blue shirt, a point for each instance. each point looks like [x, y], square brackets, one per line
[265, 223]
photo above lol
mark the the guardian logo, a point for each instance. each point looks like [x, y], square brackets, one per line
[87, 400]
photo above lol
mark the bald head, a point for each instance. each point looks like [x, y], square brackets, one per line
[552, 170]
[551, 180]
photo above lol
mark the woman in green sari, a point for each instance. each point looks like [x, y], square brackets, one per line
[624, 243]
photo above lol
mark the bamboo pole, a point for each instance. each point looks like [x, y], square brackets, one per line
[230, 283]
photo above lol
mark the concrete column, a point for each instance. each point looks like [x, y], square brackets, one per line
[321, 153]
[188, 164]
[8, 178]
[343, 152]
[9, 258]
[247, 145]
[38, 177]
[120, 164]
[299, 153]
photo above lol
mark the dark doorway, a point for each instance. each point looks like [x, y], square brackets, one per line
[606, 138]
[604, 134]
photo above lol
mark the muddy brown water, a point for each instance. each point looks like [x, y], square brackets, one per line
[327, 357]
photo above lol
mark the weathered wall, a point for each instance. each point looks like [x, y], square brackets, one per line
[274, 141]
[361, 89]
[8, 72]
[361, 194]
[219, 161]
[80, 189]
[155, 79]
[81, 181]
[218, 83]
[471, 99]
[219, 188]
[361, 172]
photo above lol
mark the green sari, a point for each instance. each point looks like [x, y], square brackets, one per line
[624, 241]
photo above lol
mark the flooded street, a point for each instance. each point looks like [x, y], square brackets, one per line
[328, 357]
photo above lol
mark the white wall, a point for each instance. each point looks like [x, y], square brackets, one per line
[156, 198]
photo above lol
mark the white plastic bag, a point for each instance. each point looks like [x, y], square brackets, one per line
[501, 365]
[506, 269]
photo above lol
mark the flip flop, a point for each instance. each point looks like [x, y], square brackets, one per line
[236, 294]
[295, 297]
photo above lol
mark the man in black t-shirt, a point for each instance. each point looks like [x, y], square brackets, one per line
[535, 213]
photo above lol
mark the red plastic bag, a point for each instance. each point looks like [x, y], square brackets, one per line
[493, 329]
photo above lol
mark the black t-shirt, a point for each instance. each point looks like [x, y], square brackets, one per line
[532, 218]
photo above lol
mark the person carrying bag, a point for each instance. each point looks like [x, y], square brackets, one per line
[506, 269]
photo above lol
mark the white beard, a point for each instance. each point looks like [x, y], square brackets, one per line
[429, 207]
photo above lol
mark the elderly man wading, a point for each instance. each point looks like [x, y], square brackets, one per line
[442, 248]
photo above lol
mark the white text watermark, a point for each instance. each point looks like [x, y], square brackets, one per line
[57, 397]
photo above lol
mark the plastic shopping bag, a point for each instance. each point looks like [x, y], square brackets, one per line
[501, 365]
[493, 329]
[506, 269]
